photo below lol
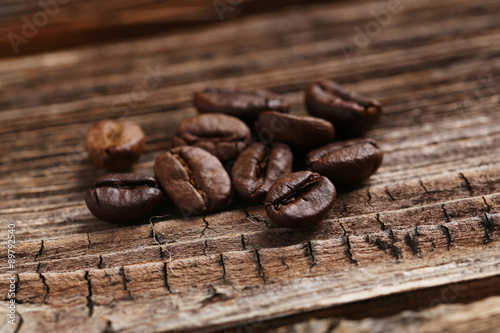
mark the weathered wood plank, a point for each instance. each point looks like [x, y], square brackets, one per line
[481, 316]
[428, 220]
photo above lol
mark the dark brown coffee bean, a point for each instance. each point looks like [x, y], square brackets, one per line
[347, 162]
[244, 103]
[300, 132]
[259, 167]
[115, 146]
[123, 198]
[352, 115]
[223, 136]
[193, 179]
[300, 199]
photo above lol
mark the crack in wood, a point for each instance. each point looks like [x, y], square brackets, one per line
[46, 286]
[467, 183]
[243, 244]
[283, 262]
[40, 251]
[88, 245]
[162, 254]
[259, 266]
[394, 250]
[369, 201]
[412, 243]
[125, 281]
[309, 252]
[207, 226]
[389, 194]
[165, 278]
[382, 224]
[205, 246]
[489, 227]
[445, 213]
[109, 327]
[347, 244]
[99, 265]
[488, 207]
[423, 186]
[90, 302]
[447, 234]
[16, 285]
[21, 322]
[224, 273]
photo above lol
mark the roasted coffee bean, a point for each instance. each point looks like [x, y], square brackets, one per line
[115, 146]
[300, 199]
[223, 136]
[123, 198]
[347, 162]
[352, 115]
[259, 167]
[300, 132]
[193, 179]
[244, 103]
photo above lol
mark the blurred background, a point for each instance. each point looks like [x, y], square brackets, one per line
[66, 23]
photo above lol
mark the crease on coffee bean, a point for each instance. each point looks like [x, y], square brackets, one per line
[187, 168]
[345, 97]
[96, 197]
[262, 166]
[302, 188]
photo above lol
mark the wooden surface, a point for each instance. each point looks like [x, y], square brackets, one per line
[481, 316]
[421, 232]
[62, 23]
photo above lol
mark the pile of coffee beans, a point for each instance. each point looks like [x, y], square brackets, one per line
[215, 152]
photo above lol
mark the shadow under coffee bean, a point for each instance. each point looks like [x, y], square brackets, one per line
[123, 198]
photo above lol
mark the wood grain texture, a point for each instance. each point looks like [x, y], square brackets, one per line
[422, 231]
[482, 316]
[34, 26]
